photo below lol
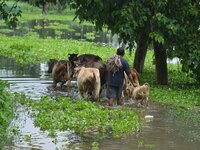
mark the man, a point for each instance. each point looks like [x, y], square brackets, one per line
[116, 67]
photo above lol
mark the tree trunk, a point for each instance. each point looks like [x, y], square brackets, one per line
[59, 7]
[161, 63]
[43, 8]
[141, 51]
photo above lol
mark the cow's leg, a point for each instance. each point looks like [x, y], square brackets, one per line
[120, 101]
[97, 91]
[68, 85]
[54, 84]
[85, 95]
[81, 93]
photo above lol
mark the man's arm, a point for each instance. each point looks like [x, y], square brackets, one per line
[131, 79]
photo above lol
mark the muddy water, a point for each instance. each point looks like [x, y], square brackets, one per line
[162, 132]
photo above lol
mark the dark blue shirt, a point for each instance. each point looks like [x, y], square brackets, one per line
[117, 78]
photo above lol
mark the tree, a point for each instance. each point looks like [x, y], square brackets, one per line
[9, 14]
[45, 4]
[159, 22]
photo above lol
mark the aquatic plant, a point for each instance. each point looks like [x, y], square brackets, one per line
[7, 103]
[84, 117]
[30, 49]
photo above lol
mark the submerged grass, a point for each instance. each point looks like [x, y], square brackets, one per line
[83, 117]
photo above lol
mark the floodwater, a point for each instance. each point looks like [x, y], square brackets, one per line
[160, 130]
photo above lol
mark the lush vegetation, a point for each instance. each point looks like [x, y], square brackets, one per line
[7, 103]
[170, 27]
[83, 117]
[182, 92]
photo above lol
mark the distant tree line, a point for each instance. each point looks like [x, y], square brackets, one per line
[46, 4]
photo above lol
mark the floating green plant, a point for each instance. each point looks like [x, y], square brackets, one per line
[84, 117]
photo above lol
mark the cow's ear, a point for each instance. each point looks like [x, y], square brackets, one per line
[147, 84]
[77, 69]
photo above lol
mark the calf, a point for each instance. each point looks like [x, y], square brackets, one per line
[62, 71]
[88, 80]
[141, 93]
[128, 88]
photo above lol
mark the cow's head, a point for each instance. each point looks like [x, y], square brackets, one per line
[73, 57]
[76, 71]
[135, 76]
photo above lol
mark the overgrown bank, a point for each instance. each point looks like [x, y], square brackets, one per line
[7, 105]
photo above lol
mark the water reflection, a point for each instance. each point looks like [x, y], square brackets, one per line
[63, 30]
[162, 132]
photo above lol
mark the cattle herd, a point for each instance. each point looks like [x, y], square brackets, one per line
[90, 72]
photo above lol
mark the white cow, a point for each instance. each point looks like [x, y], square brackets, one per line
[88, 80]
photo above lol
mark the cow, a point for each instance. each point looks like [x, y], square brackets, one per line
[102, 70]
[88, 80]
[128, 88]
[51, 63]
[141, 93]
[84, 60]
[135, 76]
[63, 71]
[90, 61]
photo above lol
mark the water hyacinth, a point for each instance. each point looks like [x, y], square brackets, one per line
[84, 117]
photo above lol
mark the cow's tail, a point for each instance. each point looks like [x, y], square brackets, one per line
[68, 70]
[96, 77]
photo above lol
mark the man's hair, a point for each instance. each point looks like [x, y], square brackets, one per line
[120, 51]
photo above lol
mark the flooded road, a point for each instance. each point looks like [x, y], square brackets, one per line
[162, 132]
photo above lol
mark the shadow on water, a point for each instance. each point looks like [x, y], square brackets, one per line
[162, 132]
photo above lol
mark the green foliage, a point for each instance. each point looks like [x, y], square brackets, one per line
[9, 13]
[7, 103]
[6, 100]
[83, 117]
[174, 24]
[32, 50]
[182, 91]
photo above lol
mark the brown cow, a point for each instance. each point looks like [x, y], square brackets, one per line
[128, 87]
[90, 61]
[51, 63]
[63, 71]
[88, 80]
[135, 76]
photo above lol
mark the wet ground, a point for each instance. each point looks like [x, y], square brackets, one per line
[160, 130]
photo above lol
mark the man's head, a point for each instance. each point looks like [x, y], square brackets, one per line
[120, 51]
